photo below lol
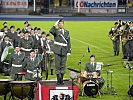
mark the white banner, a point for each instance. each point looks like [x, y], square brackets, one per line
[95, 3]
[14, 3]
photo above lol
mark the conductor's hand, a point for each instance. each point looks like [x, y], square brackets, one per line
[56, 23]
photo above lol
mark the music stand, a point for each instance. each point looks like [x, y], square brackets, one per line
[129, 66]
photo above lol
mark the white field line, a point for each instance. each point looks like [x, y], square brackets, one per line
[91, 45]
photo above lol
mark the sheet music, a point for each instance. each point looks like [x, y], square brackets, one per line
[99, 65]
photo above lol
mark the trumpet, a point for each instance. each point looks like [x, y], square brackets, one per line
[130, 37]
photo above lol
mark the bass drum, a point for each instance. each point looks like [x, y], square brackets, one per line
[90, 88]
[7, 53]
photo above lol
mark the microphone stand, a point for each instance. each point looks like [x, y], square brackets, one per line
[129, 67]
[80, 61]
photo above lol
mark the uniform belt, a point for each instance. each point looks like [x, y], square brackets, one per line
[26, 49]
[61, 44]
[16, 65]
[49, 52]
[28, 71]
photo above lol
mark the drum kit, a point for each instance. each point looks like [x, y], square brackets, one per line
[87, 80]
[18, 89]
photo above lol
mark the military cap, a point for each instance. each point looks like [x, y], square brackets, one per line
[61, 20]
[115, 23]
[92, 56]
[43, 32]
[35, 28]
[18, 29]
[12, 27]
[38, 28]
[4, 23]
[5, 27]
[47, 35]
[26, 22]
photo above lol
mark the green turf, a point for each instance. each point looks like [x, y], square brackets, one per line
[93, 34]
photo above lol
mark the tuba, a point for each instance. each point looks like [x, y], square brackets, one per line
[116, 32]
[130, 35]
[124, 38]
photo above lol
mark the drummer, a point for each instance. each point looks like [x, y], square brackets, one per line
[30, 64]
[15, 62]
[90, 68]
[5, 43]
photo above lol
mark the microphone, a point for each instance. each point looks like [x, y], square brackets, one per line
[89, 50]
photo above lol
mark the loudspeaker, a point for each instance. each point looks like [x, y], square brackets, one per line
[130, 92]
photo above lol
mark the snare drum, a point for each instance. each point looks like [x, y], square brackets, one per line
[92, 76]
[90, 88]
[22, 89]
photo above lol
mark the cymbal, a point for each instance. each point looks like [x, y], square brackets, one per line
[73, 70]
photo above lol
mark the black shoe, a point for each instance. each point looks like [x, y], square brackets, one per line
[114, 53]
[125, 57]
[94, 96]
[117, 53]
[58, 79]
[130, 59]
[61, 80]
[52, 72]
[57, 83]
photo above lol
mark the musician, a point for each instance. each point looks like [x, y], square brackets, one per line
[91, 68]
[29, 28]
[4, 24]
[16, 38]
[61, 48]
[42, 49]
[130, 41]
[30, 64]
[15, 62]
[6, 30]
[123, 31]
[5, 43]
[26, 43]
[49, 52]
[116, 41]
[12, 32]
[25, 27]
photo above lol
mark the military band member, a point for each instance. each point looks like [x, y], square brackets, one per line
[90, 68]
[49, 52]
[26, 43]
[4, 24]
[123, 31]
[5, 43]
[130, 41]
[12, 32]
[30, 64]
[42, 49]
[29, 28]
[61, 48]
[16, 38]
[15, 62]
[115, 37]
[6, 30]
[25, 27]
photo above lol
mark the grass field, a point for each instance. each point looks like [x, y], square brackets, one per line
[93, 34]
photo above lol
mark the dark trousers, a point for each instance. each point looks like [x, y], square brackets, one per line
[124, 50]
[130, 48]
[116, 46]
[60, 63]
